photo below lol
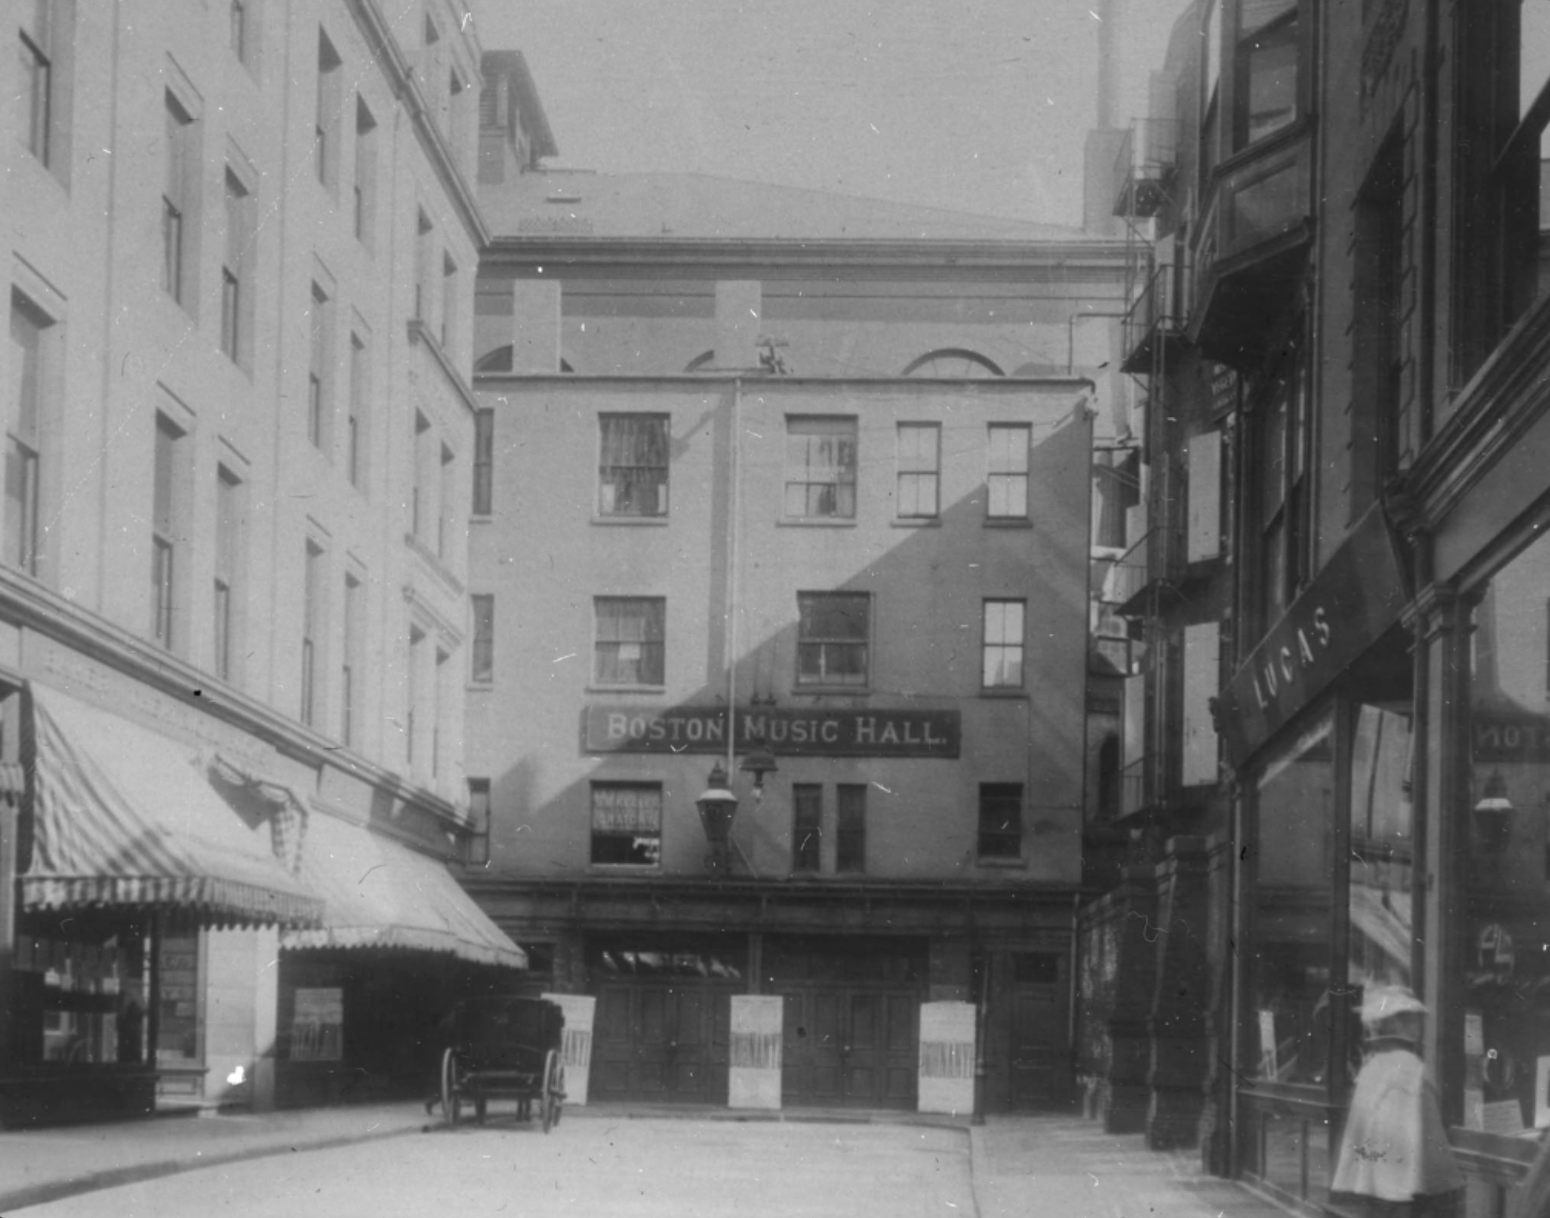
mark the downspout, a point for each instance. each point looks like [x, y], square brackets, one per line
[735, 522]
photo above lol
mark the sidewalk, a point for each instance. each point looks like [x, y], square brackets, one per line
[1021, 1165]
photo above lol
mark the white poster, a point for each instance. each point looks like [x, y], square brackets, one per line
[753, 1080]
[576, 1054]
[946, 1057]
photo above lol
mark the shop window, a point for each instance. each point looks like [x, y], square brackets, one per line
[1000, 821]
[627, 823]
[1289, 974]
[920, 471]
[632, 465]
[1007, 474]
[1505, 981]
[177, 1012]
[631, 643]
[80, 985]
[833, 629]
[820, 467]
[806, 828]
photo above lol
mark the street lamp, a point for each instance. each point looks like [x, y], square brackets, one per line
[1493, 815]
[718, 804]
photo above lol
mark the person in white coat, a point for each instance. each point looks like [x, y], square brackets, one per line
[1394, 1151]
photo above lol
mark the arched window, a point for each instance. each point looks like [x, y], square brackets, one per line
[953, 362]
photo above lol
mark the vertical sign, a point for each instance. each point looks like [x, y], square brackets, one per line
[946, 1057]
[576, 1049]
[753, 1081]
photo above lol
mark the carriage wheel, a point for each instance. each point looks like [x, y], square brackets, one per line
[559, 1093]
[450, 1101]
[551, 1099]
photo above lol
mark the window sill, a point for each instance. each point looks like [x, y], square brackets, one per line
[479, 686]
[1008, 522]
[832, 691]
[815, 522]
[917, 522]
[631, 522]
[481, 518]
[641, 869]
[653, 690]
[1017, 695]
[1017, 864]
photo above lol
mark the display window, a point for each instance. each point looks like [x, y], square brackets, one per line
[1505, 986]
[81, 983]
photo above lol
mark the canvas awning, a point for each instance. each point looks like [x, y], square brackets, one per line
[122, 816]
[378, 893]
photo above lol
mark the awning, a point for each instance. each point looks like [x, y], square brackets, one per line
[123, 817]
[378, 893]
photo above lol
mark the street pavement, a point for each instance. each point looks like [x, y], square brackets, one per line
[1013, 1166]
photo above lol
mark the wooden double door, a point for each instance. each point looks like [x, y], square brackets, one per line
[849, 1046]
[662, 1041]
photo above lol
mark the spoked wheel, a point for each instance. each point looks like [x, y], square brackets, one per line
[553, 1089]
[451, 1102]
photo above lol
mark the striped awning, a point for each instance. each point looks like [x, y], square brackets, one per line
[122, 816]
[379, 893]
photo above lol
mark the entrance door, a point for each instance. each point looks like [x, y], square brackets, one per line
[849, 1047]
[662, 1041]
[1038, 1029]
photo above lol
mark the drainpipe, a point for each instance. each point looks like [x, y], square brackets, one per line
[735, 522]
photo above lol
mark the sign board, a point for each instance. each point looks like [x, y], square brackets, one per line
[753, 1078]
[819, 732]
[576, 1049]
[946, 1057]
[1352, 600]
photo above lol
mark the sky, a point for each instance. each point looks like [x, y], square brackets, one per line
[977, 107]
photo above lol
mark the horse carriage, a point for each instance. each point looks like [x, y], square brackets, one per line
[504, 1048]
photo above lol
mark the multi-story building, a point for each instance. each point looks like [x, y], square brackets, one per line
[233, 617]
[785, 497]
[1346, 328]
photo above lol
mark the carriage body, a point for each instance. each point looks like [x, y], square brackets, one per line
[504, 1048]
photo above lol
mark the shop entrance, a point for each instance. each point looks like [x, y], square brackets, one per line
[851, 1020]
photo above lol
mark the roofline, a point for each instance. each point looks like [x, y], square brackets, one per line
[491, 382]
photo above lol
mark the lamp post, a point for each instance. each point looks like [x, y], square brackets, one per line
[718, 804]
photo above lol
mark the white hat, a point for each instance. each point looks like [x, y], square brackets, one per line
[1380, 1002]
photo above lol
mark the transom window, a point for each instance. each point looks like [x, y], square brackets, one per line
[833, 630]
[1007, 476]
[632, 465]
[1001, 820]
[920, 467]
[821, 466]
[1003, 659]
[627, 824]
[630, 640]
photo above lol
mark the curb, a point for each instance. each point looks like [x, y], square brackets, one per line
[118, 1177]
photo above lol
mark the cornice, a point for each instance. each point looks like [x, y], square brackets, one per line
[1492, 413]
[29, 604]
[387, 52]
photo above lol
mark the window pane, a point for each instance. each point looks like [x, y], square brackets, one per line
[918, 470]
[484, 637]
[630, 640]
[833, 629]
[820, 467]
[1007, 475]
[1003, 659]
[633, 465]
[850, 837]
[806, 827]
[626, 823]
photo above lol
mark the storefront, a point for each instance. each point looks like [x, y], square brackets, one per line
[1318, 723]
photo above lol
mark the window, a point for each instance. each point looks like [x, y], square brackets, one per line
[25, 405]
[444, 516]
[229, 530]
[351, 669]
[1381, 440]
[420, 499]
[850, 834]
[631, 640]
[448, 302]
[166, 511]
[632, 470]
[438, 701]
[235, 269]
[238, 29]
[326, 122]
[920, 466]
[1001, 820]
[356, 425]
[318, 387]
[484, 459]
[821, 467]
[178, 193]
[313, 614]
[35, 88]
[478, 852]
[1266, 64]
[411, 688]
[806, 827]
[1007, 475]
[627, 824]
[1003, 665]
[424, 245]
[832, 633]
[365, 200]
[483, 669]
[1280, 438]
